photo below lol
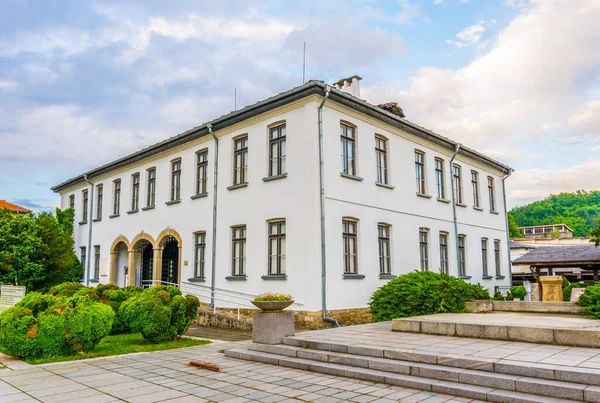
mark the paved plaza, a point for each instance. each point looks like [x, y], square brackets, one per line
[166, 376]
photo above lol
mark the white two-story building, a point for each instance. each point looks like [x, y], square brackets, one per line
[313, 192]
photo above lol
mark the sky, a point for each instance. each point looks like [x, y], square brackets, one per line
[84, 82]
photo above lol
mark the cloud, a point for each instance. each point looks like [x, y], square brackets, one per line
[7, 85]
[469, 35]
[586, 118]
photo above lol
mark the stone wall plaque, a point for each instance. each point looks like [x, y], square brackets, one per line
[576, 293]
[10, 295]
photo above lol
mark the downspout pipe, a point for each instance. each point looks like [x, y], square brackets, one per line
[322, 210]
[509, 173]
[88, 260]
[456, 149]
[214, 217]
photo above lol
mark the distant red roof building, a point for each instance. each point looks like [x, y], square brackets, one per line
[13, 207]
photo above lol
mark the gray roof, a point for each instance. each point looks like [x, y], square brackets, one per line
[311, 87]
[561, 256]
[520, 245]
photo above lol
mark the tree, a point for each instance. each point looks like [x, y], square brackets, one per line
[555, 233]
[513, 228]
[595, 234]
[37, 251]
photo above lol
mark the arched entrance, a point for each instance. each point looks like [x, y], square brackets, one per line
[170, 261]
[119, 261]
[141, 260]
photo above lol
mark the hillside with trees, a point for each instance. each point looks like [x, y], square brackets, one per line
[580, 211]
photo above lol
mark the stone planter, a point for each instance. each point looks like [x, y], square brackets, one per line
[479, 305]
[272, 306]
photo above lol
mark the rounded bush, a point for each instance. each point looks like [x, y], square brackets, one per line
[423, 293]
[590, 301]
[37, 302]
[66, 289]
[159, 313]
[66, 327]
[518, 291]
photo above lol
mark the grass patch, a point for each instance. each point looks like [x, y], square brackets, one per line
[123, 344]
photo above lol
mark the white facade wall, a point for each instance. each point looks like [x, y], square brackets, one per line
[296, 198]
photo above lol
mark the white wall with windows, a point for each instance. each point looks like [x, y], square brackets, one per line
[387, 202]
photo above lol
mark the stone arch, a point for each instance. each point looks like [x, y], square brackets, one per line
[135, 261]
[114, 257]
[139, 237]
[165, 235]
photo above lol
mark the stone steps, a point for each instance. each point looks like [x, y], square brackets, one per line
[386, 374]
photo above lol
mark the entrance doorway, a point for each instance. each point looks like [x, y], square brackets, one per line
[146, 259]
[170, 261]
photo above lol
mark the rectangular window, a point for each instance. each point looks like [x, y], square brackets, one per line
[240, 161]
[201, 171]
[99, 192]
[461, 255]
[420, 171]
[456, 174]
[348, 138]
[439, 178]
[238, 235]
[381, 157]
[475, 186]
[199, 251]
[349, 233]
[484, 256]
[424, 249]
[277, 248]
[96, 262]
[117, 197]
[444, 252]
[82, 259]
[135, 192]
[72, 202]
[84, 206]
[277, 150]
[151, 191]
[176, 180]
[385, 266]
[497, 256]
[491, 194]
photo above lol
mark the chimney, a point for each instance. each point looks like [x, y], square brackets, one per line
[350, 85]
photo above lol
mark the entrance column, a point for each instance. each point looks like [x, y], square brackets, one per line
[131, 269]
[179, 265]
[157, 266]
[112, 275]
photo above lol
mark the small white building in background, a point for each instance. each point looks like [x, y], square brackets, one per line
[387, 204]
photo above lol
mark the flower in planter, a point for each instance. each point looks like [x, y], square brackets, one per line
[273, 296]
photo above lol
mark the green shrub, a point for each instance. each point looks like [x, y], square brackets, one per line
[66, 327]
[567, 290]
[159, 313]
[423, 293]
[517, 291]
[590, 301]
[66, 289]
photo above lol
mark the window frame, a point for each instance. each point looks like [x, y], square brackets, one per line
[151, 187]
[440, 181]
[492, 193]
[348, 161]
[135, 191]
[83, 260]
[99, 197]
[280, 142]
[424, 249]
[349, 237]
[72, 202]
[385, 251]
[381, 157]
[97, 258]
[238, 243]
[117, 197]
[444, 252]
[176, 166]
[420, 172]
[475, 188]
[457, 183]
[484, 256]
[280, 245]
[201, 171]
[497, 257]
[462, 255]
[242, 151]
[84, 205]
[199, 253]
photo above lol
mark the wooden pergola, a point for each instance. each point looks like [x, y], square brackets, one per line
[584, 257]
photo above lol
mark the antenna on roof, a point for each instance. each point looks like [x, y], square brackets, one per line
[304, 64]
[235, 98]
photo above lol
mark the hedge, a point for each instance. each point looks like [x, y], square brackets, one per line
[423, 293]
[590, 301]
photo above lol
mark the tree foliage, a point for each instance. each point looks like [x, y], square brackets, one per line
[595, 234]
[513, 228]
[37, 250]
[579, 210]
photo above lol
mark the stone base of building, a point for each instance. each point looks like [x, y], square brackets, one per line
[228, 318]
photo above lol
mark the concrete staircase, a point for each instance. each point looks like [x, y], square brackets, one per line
[491, 380]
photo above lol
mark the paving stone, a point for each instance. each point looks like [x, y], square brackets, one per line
[472, 391]
[411, 356]
[525, 369]
[494, 380]
[551, 388]
[366, 350]
[390, 366]
[435, 372]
